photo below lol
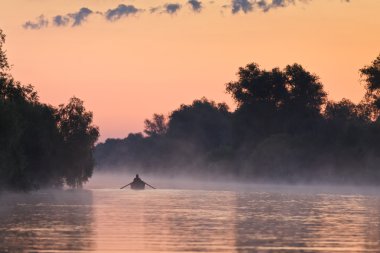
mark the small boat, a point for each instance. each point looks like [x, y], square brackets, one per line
[137, 184]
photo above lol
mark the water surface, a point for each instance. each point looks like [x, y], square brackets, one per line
[189, 221]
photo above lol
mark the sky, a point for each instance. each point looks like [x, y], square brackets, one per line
[128, 59]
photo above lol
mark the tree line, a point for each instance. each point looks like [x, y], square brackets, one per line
[41, 145]
[284, 128]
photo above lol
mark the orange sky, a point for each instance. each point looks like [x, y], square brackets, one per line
[148, 63]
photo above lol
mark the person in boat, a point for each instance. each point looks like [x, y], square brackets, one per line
[137, 179]
[137, 184]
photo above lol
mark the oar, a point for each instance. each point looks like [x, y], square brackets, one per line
[149, 185]
[125, 186]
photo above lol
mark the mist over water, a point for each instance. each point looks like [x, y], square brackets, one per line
[190, 214]
[214, 182]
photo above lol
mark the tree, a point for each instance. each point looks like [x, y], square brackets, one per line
[79, 136]
[157, 126]
[204, 122]
[345, 110]
[293, 88]
[275, 101]
[306, 94]
[4, 66]
[28, 138]
[256, 86]
[371, 77]
[40, 145]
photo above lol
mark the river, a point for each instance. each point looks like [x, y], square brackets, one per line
[109, 220]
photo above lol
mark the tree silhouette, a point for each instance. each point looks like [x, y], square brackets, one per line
[79, 135]
[40, 145]
[283, 129]
[371, 76]
[203, 122]
[4, 65]
[157, 126]
[306, 94]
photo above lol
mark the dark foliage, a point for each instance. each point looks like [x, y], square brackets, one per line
[4, 66]
[79, 137]
[371, 76]
[41, 146]
[156, 126]
[283, 128]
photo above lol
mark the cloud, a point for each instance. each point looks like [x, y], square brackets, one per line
[80, 16]
[154, 9]
[41, 22]
[172, 8]
[241, 5]
[76, 18]
[265, 6]
[60, 20]
[169, 8]
[195, 5]
[121, 11]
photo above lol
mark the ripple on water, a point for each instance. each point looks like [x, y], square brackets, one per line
[188, 221]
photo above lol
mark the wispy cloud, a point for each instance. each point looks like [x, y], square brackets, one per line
[60, 20]
[241, 5]
[195, 5]
[235, 6]
[172, 8]
[121, 11]
[80, 16]
[41, 22]
[154, 9]
[168, 8]
[75, 18]
[266, 6]
[247, 6]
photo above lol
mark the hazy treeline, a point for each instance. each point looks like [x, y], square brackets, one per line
[284, 128]
[41, 145]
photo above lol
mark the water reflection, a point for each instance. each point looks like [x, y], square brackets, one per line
[165, 221]
[269, 222]
[46, 221]
[188, 221]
